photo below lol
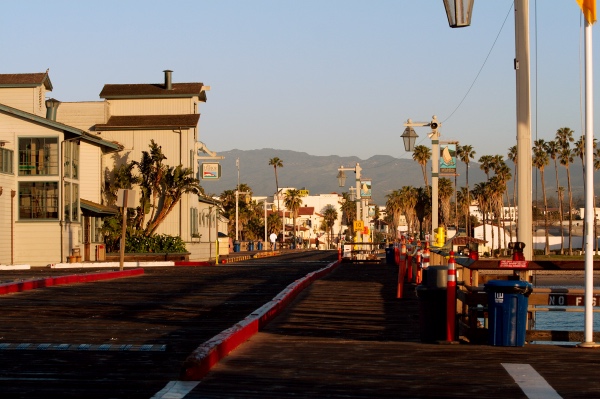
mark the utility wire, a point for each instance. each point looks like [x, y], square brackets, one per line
[483, 65]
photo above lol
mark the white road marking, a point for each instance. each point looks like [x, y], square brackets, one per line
[532, 384]
[176, 390]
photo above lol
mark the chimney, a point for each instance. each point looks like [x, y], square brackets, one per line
[168, 82]
[51, 108]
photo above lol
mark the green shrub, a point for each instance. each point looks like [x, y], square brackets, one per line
[158, 243]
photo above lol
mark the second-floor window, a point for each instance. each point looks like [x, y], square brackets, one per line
[38, 156]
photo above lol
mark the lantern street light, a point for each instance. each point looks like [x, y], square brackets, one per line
[459, 12]
[409, 136]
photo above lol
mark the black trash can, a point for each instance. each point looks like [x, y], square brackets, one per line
[236, 246]
[432, 304]
[250, 245]
[507, 311]
[389, 256]
[259, 246]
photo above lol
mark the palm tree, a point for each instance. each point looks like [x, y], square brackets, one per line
[579, 151]
[512, 155]
[445, 192]
[503, 175]
[421, 155]
[485, 164]
[348, 208]
[330, 215]
[464, 204]
[480, 194]
[276, 163]
[465, 153]
[564, 136]
[540, 161]
[553, 148]
[292, 201]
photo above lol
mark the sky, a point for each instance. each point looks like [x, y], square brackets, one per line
[325, 77]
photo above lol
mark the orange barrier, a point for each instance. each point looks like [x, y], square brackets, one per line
[451, 299]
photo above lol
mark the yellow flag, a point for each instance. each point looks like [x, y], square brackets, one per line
[588, 7]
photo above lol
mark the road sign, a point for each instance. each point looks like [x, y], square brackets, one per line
[358, 225]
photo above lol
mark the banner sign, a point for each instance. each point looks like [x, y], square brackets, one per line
[448, 158]
[211, 171]
[365, 188]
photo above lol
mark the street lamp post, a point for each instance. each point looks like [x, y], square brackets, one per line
[409, 136]
[360, 215]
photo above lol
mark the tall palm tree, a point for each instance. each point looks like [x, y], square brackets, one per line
[276, 163]
[503, 175]
[348, 208]
[445, 191]
[564, 136]
[480, 194]
[512, 155]
[330, 215]
[579, 151]
[553, 148]
[421, 155]
[485, 163]
[465, 153]
[464, 204]
[541, 160]
[293, 201]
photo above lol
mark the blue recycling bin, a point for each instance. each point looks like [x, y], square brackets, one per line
[250, 245]
[259, 246]
[507, 311]
[236, 246]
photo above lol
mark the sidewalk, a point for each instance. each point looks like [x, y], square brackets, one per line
[348, 336]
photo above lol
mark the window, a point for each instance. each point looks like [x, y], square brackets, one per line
[38, 156]
[6, 161]
[71, 201]
[194, 222]
[96, 230]
[38, 200]
[71, 159]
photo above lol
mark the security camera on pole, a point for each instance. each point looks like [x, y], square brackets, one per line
[409, 136]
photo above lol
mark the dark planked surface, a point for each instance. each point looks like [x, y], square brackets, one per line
[179, 307]
[347, 336]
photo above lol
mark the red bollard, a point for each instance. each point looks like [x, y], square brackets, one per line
[339, 254]
[451, 299]
[424, 264]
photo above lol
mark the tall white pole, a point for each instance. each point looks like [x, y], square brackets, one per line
[524, 167]
[589, 191]
[359, 205]
[237, 199]
[435, 166]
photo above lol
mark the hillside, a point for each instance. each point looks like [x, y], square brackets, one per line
[318, 173]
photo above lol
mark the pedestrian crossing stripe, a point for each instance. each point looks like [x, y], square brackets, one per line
[83, 347]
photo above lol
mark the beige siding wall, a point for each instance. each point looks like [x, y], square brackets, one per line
[7, 184]
[176, 106]
[90, 172]
[28, 99]
[82, 115]
[45, 236]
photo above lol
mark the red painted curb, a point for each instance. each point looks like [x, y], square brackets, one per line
[27, 285]
[193, 263]
[207, 355]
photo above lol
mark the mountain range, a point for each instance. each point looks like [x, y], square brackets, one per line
[318, 174]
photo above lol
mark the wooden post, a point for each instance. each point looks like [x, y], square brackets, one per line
[123, 231]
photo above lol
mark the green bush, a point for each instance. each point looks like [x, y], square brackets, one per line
[158, 243]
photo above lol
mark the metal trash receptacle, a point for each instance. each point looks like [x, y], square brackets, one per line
[389, 256]
[259, 246]
[250, 245]
[432, 304]
[507, 311]
[236, 246]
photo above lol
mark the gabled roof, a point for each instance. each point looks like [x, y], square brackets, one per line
[93, 208]
[306, 211]
[26, 80]
[71, 131]
[149, 122]
[153, 91]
